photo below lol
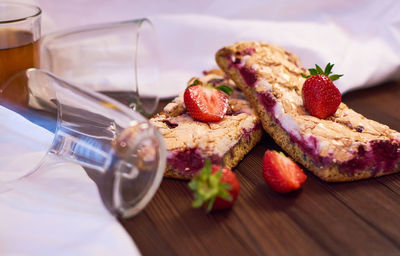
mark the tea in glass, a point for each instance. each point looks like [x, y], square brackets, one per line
[19, 47]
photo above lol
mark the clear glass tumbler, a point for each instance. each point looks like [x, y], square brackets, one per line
[120, 150]
[120, 56]
[19, 45]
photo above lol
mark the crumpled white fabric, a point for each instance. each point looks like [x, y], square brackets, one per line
[56, 210]
[361, 37]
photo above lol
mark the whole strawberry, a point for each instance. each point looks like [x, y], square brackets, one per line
[321, 98]
[215, 188]
[281, 173]
[205, 102]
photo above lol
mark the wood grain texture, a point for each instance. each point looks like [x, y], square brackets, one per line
[355, 218]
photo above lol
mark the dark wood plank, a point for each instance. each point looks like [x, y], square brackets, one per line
[227, 233]
[321, 216]
[374, 203]
[356, 218]
[392, 182]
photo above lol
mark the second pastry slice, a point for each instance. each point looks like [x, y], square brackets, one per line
[343, 147]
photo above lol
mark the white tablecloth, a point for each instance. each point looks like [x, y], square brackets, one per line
[54, 211]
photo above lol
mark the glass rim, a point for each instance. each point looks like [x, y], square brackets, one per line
[96, 26]
[36, 12]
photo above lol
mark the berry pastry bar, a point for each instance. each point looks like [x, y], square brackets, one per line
[190, 142]
[343, 147]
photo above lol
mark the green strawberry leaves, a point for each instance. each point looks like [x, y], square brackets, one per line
[318, 71]
[223, 88]
[328, 68]
[335, 77]
[195, 82]
[207, 187]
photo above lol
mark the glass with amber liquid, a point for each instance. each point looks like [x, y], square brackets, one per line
[19, 48]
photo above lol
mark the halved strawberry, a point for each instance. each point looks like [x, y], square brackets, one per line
[281, 173]
[321, 98]
[205, 103]
[215, 188]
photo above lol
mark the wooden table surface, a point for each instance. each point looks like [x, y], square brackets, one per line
[356, 218]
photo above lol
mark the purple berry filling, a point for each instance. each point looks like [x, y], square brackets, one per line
[248, 51]
[359, 128]
[246, 133]
[309, 147]
[267, 101]
[191, 160]
[216, 81]
[386, 154]
[358, 162]
[170, 124]
[248, 74]
[383, 156]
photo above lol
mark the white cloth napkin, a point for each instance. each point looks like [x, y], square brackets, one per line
[54, 211]
[361, 37]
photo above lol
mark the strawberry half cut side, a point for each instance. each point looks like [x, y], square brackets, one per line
[205, 103]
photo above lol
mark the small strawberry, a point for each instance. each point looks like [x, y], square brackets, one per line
[321, 98]
[215, 188]
[205, 102]
[281, 173]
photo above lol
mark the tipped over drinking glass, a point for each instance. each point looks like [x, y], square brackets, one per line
[118, 147]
